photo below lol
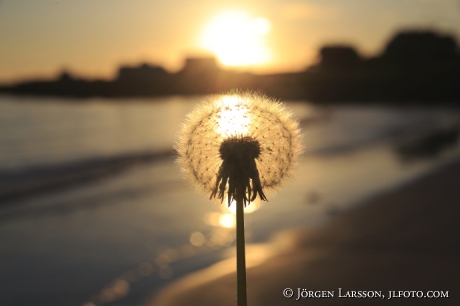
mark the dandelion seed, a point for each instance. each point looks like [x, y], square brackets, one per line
[231, 144]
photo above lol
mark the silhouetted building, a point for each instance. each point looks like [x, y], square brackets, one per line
[420, 47]
[142, 73]
[339, 57]
[66, 77]
[199, 76]
[143, 80]
[417, 66]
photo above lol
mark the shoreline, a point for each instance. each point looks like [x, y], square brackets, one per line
[404, 239]
[25, 183]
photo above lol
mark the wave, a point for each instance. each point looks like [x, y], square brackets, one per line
[19, 184]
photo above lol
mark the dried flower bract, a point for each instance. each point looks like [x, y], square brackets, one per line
[238, 145]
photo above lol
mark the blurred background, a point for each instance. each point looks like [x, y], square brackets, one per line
[93, 210]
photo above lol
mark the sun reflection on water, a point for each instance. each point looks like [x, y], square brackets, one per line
[197, 239]
[227, 220]
[252, 207]
[226, 217]
[221, 235]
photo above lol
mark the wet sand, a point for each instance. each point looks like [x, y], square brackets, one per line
[406, 239]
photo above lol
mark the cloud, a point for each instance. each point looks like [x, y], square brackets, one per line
[301, 10]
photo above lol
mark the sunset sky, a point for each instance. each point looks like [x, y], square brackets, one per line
[91, 38]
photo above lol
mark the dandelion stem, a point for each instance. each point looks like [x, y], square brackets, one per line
[240, 254]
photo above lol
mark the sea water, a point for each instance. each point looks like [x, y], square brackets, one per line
[119, 238]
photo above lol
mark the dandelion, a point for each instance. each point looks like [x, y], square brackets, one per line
[240, 146]
[243, 143]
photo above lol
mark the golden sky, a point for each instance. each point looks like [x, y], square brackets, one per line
[91, 38]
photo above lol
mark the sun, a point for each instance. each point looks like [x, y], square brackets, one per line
[237, 39]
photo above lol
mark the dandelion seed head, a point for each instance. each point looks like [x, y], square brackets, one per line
[240, 128]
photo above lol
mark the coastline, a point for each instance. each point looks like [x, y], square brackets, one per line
[402, 240]
[28, 182]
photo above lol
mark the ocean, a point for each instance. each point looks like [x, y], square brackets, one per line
[94, 211]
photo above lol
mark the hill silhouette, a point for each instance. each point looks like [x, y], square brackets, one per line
[415, 66]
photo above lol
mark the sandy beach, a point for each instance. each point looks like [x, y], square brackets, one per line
[403, 240]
